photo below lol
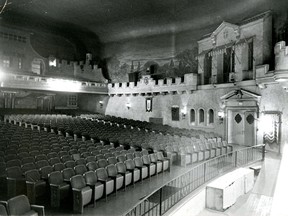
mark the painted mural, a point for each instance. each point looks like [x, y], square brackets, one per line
[182, 63]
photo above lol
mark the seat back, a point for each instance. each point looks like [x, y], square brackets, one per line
[90, 177]
[68, 173]
[28, 166]
[66, 158]
[80, 169]
[153, 158]
[112, 160]
[41, 157]
[137, 154]
[53, 161]
[138, 162]
[129, 156]
[121, 168]
[45, 171]
[14, 162]
[130, 165]
[14, 172]
[18, 205]
[80, 161]
[102, 163]
[121, 158]
[42, 163]
[111, 170]
[101, 174]
[55, 178]
[69, 164]
[28, 160]
[32, 176]
[145, 152]
[92, 166]
[90, 158]
[58, 166]
[77, 182]
[146, 159]
[160, 156]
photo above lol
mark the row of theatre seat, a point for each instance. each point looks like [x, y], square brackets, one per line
[124, 135]
[34, 172]
[166, 129]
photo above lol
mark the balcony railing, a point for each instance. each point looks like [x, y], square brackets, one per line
[16, 81]
[164, 198]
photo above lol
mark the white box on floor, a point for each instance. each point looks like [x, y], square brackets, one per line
[224, 191]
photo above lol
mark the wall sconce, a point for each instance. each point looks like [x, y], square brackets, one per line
[101, 104]
[221, 115]
[184, 112]
[128, 105]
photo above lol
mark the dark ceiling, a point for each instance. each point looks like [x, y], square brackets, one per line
[115, 20]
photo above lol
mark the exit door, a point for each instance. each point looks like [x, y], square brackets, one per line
[241, 127]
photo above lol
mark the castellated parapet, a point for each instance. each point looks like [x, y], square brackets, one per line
[76, 69]
[281, 56]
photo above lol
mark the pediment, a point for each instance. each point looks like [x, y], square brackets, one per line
[240, 94]
[225, 26]
[225, 33]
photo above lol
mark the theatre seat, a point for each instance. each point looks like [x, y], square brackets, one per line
[151, 166]
[108, 182]
[144, 169]
[82, 194]
[113, 174]
[154, 160]
[16, 183]
[97, 187]
[59, 189]
[20, 205]
[136, 174]
[121, 169]
[35, 185]
[165, 161]
[80, 169]
[68, 173]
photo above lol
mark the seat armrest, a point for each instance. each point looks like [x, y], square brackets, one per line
[113, 177]
[5, 203]
[39, 209]
[54, 185]
[76, 190]
[102, 180]
[90, 185]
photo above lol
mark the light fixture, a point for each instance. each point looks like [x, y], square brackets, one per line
[184, 112]
[101, 104]
[221, 115]
[128, 105]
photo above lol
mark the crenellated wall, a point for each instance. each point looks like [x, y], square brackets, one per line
[281, 56]
[148, 85]
[81, 70]
[17, 55]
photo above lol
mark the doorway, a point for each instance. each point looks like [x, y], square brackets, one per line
[241, 127]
